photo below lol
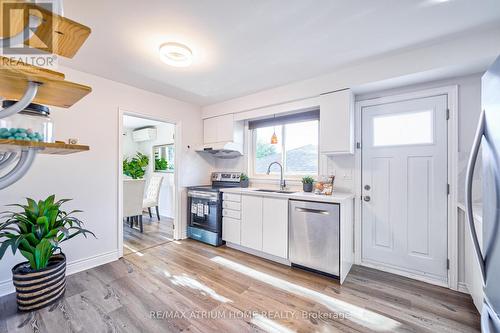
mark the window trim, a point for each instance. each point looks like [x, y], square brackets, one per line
[252, 140]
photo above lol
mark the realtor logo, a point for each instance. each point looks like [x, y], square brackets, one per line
[26, 28]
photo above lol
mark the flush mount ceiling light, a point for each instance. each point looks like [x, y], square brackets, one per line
[176, 54]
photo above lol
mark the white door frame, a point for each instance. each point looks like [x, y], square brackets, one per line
[177, 144]
[452, 93]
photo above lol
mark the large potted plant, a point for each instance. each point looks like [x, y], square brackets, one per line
[135, 167]
[37, 232]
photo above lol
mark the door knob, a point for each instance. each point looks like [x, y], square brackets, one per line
[367, 198]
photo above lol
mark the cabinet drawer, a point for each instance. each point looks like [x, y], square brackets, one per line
[235, 214]
[231, 197]
[231, 205]
[231, 230]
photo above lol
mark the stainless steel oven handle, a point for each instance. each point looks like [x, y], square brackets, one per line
[468, 192]
[314, 211]
[202, 195]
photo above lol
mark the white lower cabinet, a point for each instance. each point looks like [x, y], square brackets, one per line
[264, 225]
[251, 222]
[275, 227]
[231, 230]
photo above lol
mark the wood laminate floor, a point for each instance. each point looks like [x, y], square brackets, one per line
[155, 233]
[186, 286]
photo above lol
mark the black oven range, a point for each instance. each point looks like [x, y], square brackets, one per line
[205, 208]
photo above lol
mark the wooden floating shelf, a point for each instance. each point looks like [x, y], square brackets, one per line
[54, 91]
[45, 148]
[56, 34]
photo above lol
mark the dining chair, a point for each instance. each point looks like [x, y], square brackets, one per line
[153, 195]
[133, 194]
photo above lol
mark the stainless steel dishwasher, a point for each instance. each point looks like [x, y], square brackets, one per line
[314, 236]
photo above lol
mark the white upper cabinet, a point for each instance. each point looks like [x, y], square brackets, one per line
[219, 129]
[336, 134]
[210, 130]
[225, 128]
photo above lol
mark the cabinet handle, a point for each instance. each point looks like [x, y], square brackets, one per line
[314, 211]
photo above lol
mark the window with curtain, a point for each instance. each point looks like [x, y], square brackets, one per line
[297, 147]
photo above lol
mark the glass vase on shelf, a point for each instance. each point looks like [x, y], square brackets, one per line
[32, 124]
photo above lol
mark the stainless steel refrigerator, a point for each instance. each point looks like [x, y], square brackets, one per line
[488, 138]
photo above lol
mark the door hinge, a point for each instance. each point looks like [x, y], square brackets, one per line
[447, 263]
[358, 145]
[448, 188]
[447, 114]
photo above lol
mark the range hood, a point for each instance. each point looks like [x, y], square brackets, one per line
[222, 149]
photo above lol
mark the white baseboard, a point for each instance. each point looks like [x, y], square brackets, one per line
[462, 287]
[6, 287]
[397, 271]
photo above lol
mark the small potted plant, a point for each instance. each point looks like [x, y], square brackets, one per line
[307, 183]
[244, 180]
[37, 231]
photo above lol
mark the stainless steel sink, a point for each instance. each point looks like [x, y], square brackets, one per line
[274, 191]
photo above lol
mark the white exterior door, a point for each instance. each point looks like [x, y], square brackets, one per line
[404, 187]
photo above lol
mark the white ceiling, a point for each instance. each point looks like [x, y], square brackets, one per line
[131, 122]
[244, 46]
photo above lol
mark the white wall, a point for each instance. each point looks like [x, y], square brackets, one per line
[342, 167]
[130, 147]
[91, 178]
[468, 53]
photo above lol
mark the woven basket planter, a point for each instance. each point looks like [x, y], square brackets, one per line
[38, 289]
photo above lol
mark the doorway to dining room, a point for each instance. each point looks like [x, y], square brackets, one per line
[148, 183]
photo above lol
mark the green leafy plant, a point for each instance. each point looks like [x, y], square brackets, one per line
[136, 166]
[38, 230]
[243, 176]
[161, 164]
[307, 180]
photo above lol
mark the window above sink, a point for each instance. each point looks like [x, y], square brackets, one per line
[297, 147]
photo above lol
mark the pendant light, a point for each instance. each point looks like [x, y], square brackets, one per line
[274, 138]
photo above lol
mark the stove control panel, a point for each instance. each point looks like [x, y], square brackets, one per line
[233, 177]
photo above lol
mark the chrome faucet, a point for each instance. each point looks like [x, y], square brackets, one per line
[282, 181]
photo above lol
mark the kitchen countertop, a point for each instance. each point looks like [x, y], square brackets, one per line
[336, 197]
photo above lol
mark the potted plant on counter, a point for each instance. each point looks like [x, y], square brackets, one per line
[244, 180]
[37, 231]
[307, 183]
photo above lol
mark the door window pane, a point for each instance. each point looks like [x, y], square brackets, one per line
[265, 152]
[403, 129]
[301, 148]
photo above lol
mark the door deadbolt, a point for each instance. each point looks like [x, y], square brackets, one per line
[367, 198]
[367, 187]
